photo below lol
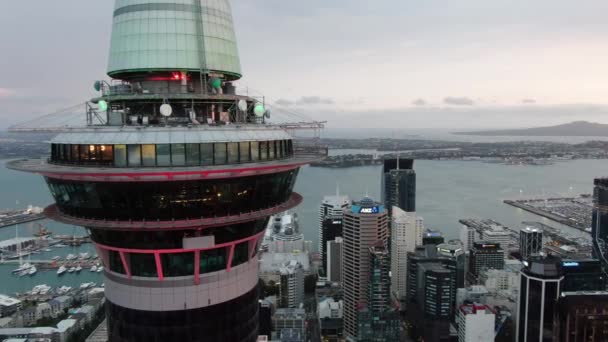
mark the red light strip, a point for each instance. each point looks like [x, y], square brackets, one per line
[157, 253]
[170, 176]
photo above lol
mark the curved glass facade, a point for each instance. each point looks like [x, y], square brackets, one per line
[233, 321]
[166, 201]
[173, 35]
[166, 155]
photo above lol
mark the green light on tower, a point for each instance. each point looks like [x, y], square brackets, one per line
[103, 105]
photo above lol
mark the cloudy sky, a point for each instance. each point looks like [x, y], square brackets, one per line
[356, 63]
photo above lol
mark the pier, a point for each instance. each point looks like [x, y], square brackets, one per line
[575, 208]
[17, 217]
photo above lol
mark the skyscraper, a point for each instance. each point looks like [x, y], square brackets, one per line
[599, 227]
[291, 286]
[365, 222]
[530, 242]
[174, 176]
[334, 259]
[436, 291]
[541, 283]
[581, 317]
[468, 236]
[432, 237]
[399, 184]
[406, 235]
[453, 251]
[330, 221]
[583, 275]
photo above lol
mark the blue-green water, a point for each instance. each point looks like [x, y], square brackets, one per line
[447, 191]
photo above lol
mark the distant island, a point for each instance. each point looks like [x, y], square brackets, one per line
[573, 129]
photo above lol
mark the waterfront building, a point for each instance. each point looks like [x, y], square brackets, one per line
[599, 226]
[468, 236]
[540, 287]
[289, 319]
[485, 256]
[175, 176]
[530, 242]
[406, 235]
[334, 260]
[454, 252]
[581, 317]
[432, 237]
[475, 323]
[583, 275]
[330, 221]
[291, 285]
[398, 187]
[365, 223]
[285, 236]
[8, 305]
[498, 235]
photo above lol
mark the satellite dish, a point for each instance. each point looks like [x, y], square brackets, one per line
[97, 85]
[267, 114]
[216, 83]
[166, 110]
[259, 110]
[242, 105]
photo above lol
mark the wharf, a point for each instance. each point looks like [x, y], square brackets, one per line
[55, 264]
[543, 213]
[17, 217]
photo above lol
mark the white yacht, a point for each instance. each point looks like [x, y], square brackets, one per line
[71, 269]
[99, 269]
[93, 268]
[32, 270]
[61, 270]
[78, 268]
[70, 257]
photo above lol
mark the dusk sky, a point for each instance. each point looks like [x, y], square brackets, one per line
[386, 63]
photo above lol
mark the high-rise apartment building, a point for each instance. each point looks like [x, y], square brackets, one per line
[399, 184]
[291, 286]
[541, 284]
[174, 175]
[406, 235]
[581, 317]
[335, 250]
[379, 293]
[530, 242]
[485, 256]
[365, 223]
[475, 323]
[468, 236]
[498, 235]
[330, 221]
[599, 227]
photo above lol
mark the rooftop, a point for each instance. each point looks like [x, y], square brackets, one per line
[8, 301]
[476, 309]
[290, 313]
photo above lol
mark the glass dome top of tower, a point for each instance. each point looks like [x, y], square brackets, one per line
[173, 35]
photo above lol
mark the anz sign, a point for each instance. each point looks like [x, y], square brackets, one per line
[369, 210]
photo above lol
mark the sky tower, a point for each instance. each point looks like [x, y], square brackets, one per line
[175, 175]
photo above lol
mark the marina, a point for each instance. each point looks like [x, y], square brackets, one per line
[574, 212]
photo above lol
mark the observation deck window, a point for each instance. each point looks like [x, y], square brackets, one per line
[134, 152]
[148, 155]
[241, 254]
[213, 260]
[166, 155]
[120, 155]
[178, 154]
[233, 153]
[163, 155]
[116, 262]
[178, 264]
[206, 154]
[143, 265]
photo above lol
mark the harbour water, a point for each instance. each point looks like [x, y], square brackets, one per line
[446, 192]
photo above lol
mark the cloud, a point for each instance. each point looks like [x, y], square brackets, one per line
[419, 102]
[314, 100]
[458, 101]
[284, 102]
[528, 101]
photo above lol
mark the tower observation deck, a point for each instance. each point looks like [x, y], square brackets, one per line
[175, 175]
